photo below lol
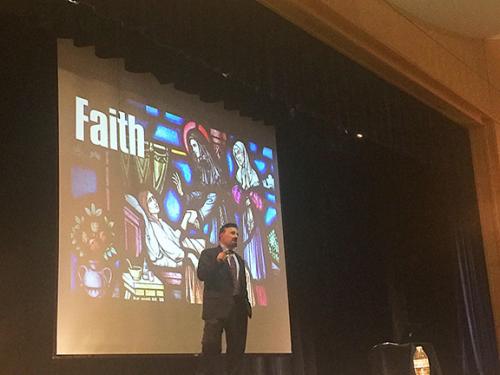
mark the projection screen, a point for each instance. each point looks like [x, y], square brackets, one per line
[147, 174]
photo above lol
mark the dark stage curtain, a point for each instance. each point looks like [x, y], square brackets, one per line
[478, 350]
[373, 226]
[478, 343]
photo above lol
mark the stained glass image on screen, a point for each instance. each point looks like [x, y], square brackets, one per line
[148, 174]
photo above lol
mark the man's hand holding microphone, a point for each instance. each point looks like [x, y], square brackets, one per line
[222, 256]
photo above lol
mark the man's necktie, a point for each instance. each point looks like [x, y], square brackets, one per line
[231, 260]
[232, 266]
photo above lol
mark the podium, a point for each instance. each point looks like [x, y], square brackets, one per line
[397, 359]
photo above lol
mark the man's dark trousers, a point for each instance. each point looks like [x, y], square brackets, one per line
[222, 312]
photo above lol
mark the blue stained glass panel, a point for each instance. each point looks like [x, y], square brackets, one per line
[261, 166]
[252, 146]
[185, 170]
[230, 164]
[271, 197]
[177, 120]
[83, 181]
[172, 206]
[267, 152]
[270, 215]
[167, 135]
[152, 111]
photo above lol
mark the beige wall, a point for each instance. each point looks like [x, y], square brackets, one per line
[458, 76]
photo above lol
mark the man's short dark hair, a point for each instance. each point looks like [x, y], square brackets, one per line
[227, 225]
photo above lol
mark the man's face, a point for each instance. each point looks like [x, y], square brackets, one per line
[229, 238]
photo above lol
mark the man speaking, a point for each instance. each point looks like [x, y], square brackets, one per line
[225, 303]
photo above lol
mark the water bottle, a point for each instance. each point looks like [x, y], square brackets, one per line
[421, 362]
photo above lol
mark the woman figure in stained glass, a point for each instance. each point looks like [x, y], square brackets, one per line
[246, 195]
[206, 208]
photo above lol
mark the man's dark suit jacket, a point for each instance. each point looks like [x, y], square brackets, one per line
[218, 296]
